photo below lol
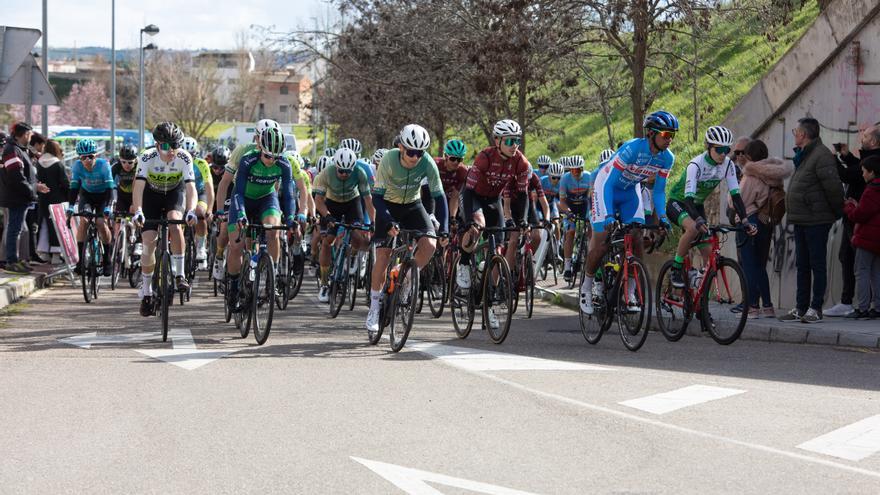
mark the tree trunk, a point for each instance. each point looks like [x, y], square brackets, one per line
[521, 109]
[639, 60]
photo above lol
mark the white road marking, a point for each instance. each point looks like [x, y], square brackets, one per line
[184, 353]
[414, 481]
[87, 340]
[479, 360]
[681, 398]
[852, 442]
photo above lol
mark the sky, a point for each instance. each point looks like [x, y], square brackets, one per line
[183, 24]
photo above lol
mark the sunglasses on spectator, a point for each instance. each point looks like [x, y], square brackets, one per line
[512, 141]
[664, 134]
[86, 157]
[722, 150]
[415, 153]
[168, 146]
[738, 152]
[456, 159]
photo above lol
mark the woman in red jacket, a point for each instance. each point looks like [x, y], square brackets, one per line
[865, 213]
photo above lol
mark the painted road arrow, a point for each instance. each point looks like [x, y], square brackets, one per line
[183, 353]
[415, 481]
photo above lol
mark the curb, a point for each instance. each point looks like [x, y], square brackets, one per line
[757, 330]
[15, 288]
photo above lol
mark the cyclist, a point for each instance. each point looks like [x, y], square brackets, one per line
[377, 158]
[320, 165]
[219, 159]
[550, 185]
[205, 190]
[339, 189]
[255, 199]
[616, 188]
[396, 196]
[574, 200]
[536, 199]
[164, 188]
[544, 162]
[704, 172]
[453, 173]
[494, 169]
[92, 186]
[123, 172]
[355, 145]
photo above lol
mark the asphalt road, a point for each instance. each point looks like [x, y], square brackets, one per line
[93, 402]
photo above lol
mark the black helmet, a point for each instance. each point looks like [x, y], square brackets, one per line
[220, 155]
[128, 152]
[168, 132]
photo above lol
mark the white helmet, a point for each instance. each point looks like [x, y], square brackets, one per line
[323, 161]
[190, 145]
[555, 170]
[415, 137]
[544, 160]
[264, 124]
[344, 159]
[576, 162]
[352, 144]
[378, 154]
[719, 136]
[605, 155]
[506, 127]
[565, 162]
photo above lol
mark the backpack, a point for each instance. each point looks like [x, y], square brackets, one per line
[774, 208]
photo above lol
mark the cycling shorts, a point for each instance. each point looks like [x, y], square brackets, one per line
[677, 211]
[412, 216]
[157, 205]
[95, 201]
[256, 210]
[581, 211]
[123, 203]
[627, 202]
[346, 212]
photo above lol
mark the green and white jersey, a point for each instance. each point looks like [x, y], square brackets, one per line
[329, 185]
[702, 177]
[164, 176]
[401, 185]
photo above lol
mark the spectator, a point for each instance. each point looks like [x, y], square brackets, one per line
[738, 153]
[760, 173]
[851, 175]
[35, 149]
[18, 190]
[51, 172]
[865, 213]
[813, 203]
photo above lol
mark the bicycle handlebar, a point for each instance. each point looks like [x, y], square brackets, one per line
[164, 221]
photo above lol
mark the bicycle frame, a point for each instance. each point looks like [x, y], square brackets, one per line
[711, 266]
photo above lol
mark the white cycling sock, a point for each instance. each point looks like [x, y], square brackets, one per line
[587, 286]
[567, 263]
[374, 299]
[201, 241]
[177, 263]
[146, 285]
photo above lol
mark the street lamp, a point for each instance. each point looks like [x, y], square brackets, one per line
[151, 30]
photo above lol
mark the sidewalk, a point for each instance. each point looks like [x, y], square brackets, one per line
[14, 288]
[831, 331]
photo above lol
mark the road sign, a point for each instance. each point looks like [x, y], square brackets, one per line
[21, 80]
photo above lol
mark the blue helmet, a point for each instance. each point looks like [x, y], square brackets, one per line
[86, 147]
[661, 121]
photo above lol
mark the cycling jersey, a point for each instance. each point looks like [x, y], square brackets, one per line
[551, 189]
[329, 185]
[368, 171]
[575, 192]
[255, 180]
[702, 177]
[491, 173]
[616, 185]
[534, 186]
[452, 180]
[401, 185]
[96, 180]
[237, 154]
[161, 176]
[201, 171]
[124, 180]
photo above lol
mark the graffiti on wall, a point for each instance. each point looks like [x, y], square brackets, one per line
[782, 265]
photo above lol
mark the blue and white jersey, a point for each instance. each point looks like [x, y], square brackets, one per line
[551, 189]
[575, 191]
[633, 163]
[96, 180]
[367, 167]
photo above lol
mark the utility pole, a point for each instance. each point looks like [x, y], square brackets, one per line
[45, 108]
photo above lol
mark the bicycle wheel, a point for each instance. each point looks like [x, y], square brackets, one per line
[353, 280]
[529, 289]
[297, 271]
[634, 306]
[461, 302]
[723, 289]
[338, 283]
[405, 298]
[595, 325]
[515, 277]
[134, 271]
[263, 298]
[243, 317]
[85, 263]
[497, 298]
[368, 274]
[227, 307]
[166, 291]
[673, 306]
[436, 286]
[117, 257]
[282, 279]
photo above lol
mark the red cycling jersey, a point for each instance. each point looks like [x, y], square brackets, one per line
[491, 173]
[535, 189]
[452, 180]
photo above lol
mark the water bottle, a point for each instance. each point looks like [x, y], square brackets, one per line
[696, 277]
[253, 271]
[394, 271]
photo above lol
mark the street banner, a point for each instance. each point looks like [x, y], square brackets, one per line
[65, 236]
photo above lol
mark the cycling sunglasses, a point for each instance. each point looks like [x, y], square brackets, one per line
[268, 156]
[127, 162]
[415, 153]
[723, 150]
[512, 141]
[86, 157]
[664, 134]
[343, 172]
[455, 159]
[168, 146]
